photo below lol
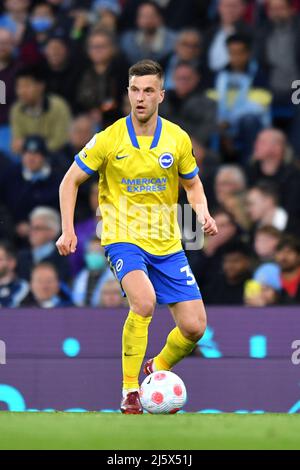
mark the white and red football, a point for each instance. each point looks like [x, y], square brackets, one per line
[163, 392]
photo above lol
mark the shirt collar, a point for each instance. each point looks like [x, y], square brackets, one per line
[50, 303]
[41, 252]
[37, 111]
[40, 175]
[133, 137]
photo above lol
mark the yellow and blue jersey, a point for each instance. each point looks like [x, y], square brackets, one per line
[138, 183]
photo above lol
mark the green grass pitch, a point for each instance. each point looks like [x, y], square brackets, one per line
[113, 431]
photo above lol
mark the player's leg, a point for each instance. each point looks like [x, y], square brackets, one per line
[175, 285]
[141, 298]
[190, 319]
[130, 267]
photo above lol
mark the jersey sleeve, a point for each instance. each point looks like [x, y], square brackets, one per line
[187, 166]
[90, 159]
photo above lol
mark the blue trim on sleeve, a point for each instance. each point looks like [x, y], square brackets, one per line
[190, 175]
[83, 166]
[133, 137]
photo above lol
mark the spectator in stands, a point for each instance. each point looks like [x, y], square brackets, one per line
[188, 106]
[103, 83]
[228, 287]
[43, 231]
[15, 15]
[29, 184]
[81, 131]
[61, 6]
[278, 48]
[265, 288]
[45, 289]
[207, 159]
[77, 23]
[42, 21]
[271, 163]
[231, 14]
[241, 60]
[35, 112]
[126, 107]
[176, 13]
[243, 99]
[9, 66]
[207, 263]
[15, 19]
[87, 284]
[7, 229]
[229, 179]
[111, 295]
[288, 257]
[6, 225]
[62, 69]
[266, 240]
[106, 14]
[12, 289]
[189, 49]
[230, 192]
[228, 232]
[263, 209]
[151, 39]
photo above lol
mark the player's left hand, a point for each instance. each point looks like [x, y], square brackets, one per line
[209, 225]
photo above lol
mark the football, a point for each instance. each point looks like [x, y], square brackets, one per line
[163, 392]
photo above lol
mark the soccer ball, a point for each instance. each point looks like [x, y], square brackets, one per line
[163, 392]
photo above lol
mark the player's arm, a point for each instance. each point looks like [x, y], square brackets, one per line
[197, 199]
[68, 190]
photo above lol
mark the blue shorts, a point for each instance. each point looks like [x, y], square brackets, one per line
[170, 275]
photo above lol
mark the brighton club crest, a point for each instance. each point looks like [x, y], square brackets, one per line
[166, 160]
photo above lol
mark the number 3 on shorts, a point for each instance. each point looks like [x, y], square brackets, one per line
[189, 274]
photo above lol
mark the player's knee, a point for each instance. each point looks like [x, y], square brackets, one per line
[195, 330]
[144, 307]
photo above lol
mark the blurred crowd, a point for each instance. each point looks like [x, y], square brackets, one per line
[231, 68]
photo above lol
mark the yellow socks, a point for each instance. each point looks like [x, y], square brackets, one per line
[175, 349]
[134, 344]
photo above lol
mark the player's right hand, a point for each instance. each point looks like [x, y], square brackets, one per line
[66, 244]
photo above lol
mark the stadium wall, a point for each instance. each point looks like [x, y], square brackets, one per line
[69, 359]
